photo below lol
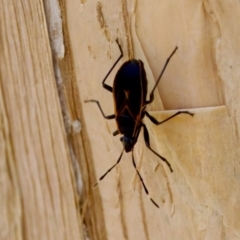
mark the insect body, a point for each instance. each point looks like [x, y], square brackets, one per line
[130, 101]
[130, 94]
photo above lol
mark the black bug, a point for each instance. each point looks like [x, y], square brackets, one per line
[130, 93]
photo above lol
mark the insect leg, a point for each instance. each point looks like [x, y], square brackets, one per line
[167, 61]
[143, 184]
[115, 133]
[155, 121]
[99, 106]
[147, 142]
[107, 87]
[109, 170]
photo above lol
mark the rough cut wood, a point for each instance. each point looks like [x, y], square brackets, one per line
[200, 199]
[48, 169]
[37, 187]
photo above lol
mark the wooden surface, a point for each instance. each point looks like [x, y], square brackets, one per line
[199, 200]
[54, 147]
[37, 185]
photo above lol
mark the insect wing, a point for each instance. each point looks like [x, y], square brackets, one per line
[130, 87]
[129, 91]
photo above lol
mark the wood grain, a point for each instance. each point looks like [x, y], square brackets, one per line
[199, 199]
[38, 199]
[54, 146]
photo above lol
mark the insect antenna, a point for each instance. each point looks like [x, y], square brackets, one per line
[144, 186]
[110, 169]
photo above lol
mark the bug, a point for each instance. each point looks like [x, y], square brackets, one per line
[130, 100]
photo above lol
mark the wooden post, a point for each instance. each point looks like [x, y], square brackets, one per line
[37, 187]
